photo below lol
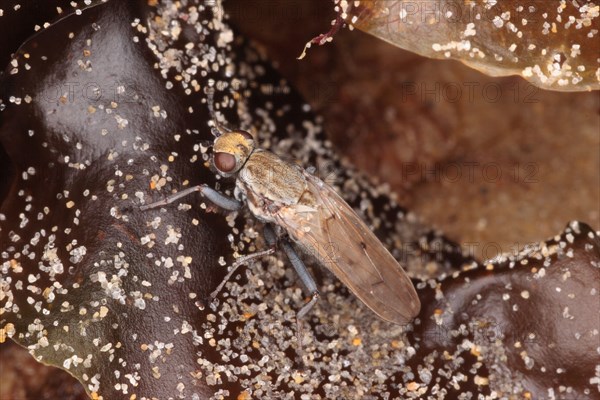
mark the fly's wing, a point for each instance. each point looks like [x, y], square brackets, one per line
[328, 228]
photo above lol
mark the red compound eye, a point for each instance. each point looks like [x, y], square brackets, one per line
[224, 162]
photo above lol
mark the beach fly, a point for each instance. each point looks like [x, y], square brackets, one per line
[300, 209]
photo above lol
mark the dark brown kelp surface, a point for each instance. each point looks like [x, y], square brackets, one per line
[105, 110]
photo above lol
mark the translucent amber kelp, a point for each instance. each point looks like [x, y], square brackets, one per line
[552, 44]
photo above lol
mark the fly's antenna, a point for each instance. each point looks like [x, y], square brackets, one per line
[217, 129]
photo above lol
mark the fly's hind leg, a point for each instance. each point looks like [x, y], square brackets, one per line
[219, 199]
[308, 282]
[301, 270]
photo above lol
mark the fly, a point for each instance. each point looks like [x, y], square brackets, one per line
[298, 207]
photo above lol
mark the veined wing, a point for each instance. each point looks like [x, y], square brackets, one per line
[332, 232]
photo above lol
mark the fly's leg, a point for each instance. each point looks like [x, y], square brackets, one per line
[270, 238]
[236, 264]
[304, 275]
[220, 200]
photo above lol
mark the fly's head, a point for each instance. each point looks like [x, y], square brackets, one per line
[231, 151]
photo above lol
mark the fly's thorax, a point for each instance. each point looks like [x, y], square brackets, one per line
[269, 179]
[231, 151]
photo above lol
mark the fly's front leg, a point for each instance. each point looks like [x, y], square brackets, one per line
[220, 200]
